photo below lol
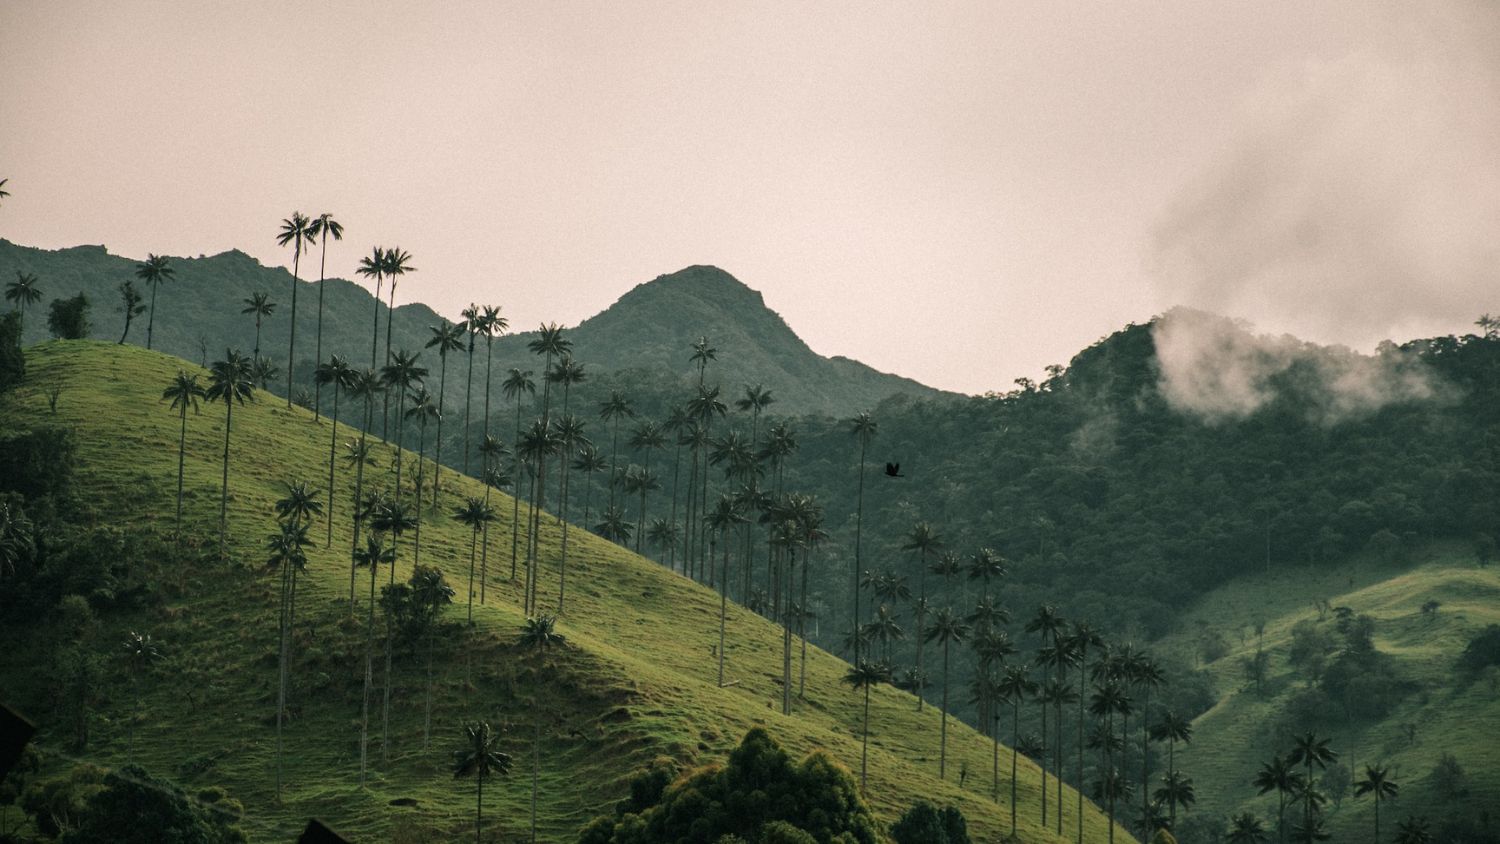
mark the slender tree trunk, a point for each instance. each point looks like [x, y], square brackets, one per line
[864, 749]
[1015, 741]
[427, 707]
[333, 442]
[416, 545]
[390, 317]
[1057, 755]
[515, 499]
[281, 652]
[1043, 766]
[786, 634]
[126, 332]
[943, 741]
[995, 758]
[318, 348]
[468, 398]
[151, 317]
[364, 723]
[536, 765]
[181, 455]
[359, 482]
[562, 568]
[1083, 661]
[224, 484]
[479, 811]
[1145, 757]
[291, 347]
[859, 518]
[257, 336]
[802, 629]
[676, 466]
[375, 332]
[723, 610]
[437, 463]
[473, 536]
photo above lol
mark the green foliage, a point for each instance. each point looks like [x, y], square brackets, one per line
[132, 807]
[59, 803]
[12, 360]
[759, 795]
[37, 462]
[1482, 651]
[68, 319]
[924, 823]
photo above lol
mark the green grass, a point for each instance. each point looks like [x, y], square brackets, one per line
[637, 679]
[1233, 738]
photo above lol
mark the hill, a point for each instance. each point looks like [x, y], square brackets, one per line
[648, 329]
[636, 679]
[1408, 714]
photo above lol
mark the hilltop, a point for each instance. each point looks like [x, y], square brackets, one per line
[647, 330]
[636, 679]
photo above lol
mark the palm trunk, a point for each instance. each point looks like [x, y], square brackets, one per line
[333, 442]
[536, 764]
[723, 610]
[676, 468]
[1057, 756]
[1083, 660]
[802, 630]
[1145, 754]
[515, 499]
[562, 568]
[1015, 740]
[473, 537]
[943, 741]
[859, 518]
[416, 546]
[224, 484]
[479, 811]
[427, 707]
[390, 317]
[291, 347]
[281, 670]
[359, 482]
[364, 723]
[151, 317]
[786, 634]
[468, 399]
[257, 336]
[375, 331]
[437, 463]
[864, 749]
[1043, 766]
[181, 454]
[318, 349]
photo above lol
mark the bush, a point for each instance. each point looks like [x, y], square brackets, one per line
[1482, 651]
[37, 462]
[12, 361]
[68, 319]
[924, 823]
[133, 806]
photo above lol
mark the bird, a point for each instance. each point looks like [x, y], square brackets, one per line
[893, 470]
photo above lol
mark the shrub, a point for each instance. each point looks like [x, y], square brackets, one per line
[12, 361]
[37, 462]
[68, 319]
[1482, 651]
[924, 823]
[133, 806]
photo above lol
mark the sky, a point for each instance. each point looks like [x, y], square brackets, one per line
[958, 192]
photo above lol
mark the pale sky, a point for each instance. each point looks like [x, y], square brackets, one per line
[959, 192]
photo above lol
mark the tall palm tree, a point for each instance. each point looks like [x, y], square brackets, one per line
[491, 452]
[230, 382]
[570, 435]
[676, 423]
[946, 630]
[646, 437]
[863, 428]
[883, 628]
[363, 384]
[338, 374]
[721, 520]
[153, 271]
[1172, 729]
[430, 592]
[517, 383]
[1057, 691]
[1079, 640]
[295, 511]
[445, 338]
[327, 228]
[475, 514]
[373, 266]
[703, 407]
[861, 676]
[259, 305]
[1175, 790]
[23, 292]
[615, 409]
[470, 326]
[140, 655]
[1147, 675]
[296, 230]
[1246, 828]
[130, 305]
[1281, 776]
[372, 555]
[184, 393]
[991, 647]
[1377, 783]
[396, 264]
[537, 444]
[590, 462]
[1309, 750]
[479, 758]
[539, 637]
[401, 375]
[1014, 687]
[424, 412]
[1410, 831]
[615, 526]
[390, 518]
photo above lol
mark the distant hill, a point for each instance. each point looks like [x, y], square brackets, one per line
[650, 329]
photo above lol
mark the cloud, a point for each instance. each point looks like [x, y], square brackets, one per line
[1218, 369]
[1361, 198]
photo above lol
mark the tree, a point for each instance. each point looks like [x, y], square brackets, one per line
[140, 655]
[475, 514]
[325, 227]
[445, 338]
[1047, 624]
[615, 409]
[536, 445]
[230, 382]
[590, 462]
[23, 292]
[1172, 729]
[372, 555]
[517, 383]
[296, 230]
[402, 374]
[68, 319]
[184, 393]
[1413, 831]
[863, 428]
[1080, 639]
[153, 271]
[429, 592]
[338, 374]
[539, 636]
[258, 305]
[373, 266]
[1281, 776]
[570, 433]
[424, 412]
[480, 758]
[129, 806]
[646, 437]
[491, 452]
[1175, 790]
[1246, 829]
[395, 263]
[615, 527]
[130, 305]
[1377, 783]
[725, 516]
[390, 517]
[924, 823]
[1309, 750]
[1014, 686]
[287, 556]
[861, 676]
[363, 384]
[946, 629]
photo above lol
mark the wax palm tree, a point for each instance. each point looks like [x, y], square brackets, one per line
[676, 424]
[470, 327]
[153, 271]
[518, 383]
[130, 305]
[338, 374]
[262, 370]
[570, 433]
[861, 676]
[863, 428]
[401, 375]
[538, 443]
[480, 758]
[390, 518]
[1014, 687]
[614, 409]
[703, 407]
[372, 555]
[23, 292]
[703, 352]
[491, 452]
[1281, 776]
[327, 228]
[140, 654]
[590, 462]
[615, 527]
[1172, 729]
[1146, 674]
[1246, 828]
[1413, 831]
[946, 630]
[664, 535]
[1112, 786]
[363, 384]
[297, 231]
[721, 520]
[1309, 750]
[475, 514]
[229, 382]
[539, 637]
[373, 266]
[640, 480]
[1081, 637]
[1377, 783]
[288, 557]
[445, 338]
[259, 305]
[1175, 790]
[424, 412]
[924, 540]
[396, 264]
[549, 343]
[1057, 691]
[646, 437]
[884, 629]
[184, 393]
[490, 324]
[430, 592]
[991, 648]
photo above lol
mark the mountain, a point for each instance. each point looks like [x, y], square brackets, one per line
[650, 329]
[636, 678]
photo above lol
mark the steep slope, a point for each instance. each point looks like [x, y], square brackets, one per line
[636, 679]
[650, 328]
[1436, 709]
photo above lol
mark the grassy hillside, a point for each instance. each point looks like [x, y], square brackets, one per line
[636, 680]
[1449, 714]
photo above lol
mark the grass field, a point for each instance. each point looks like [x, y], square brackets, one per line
[637, 679]
[1439, 713]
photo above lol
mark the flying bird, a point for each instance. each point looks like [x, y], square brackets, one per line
[893, 470]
